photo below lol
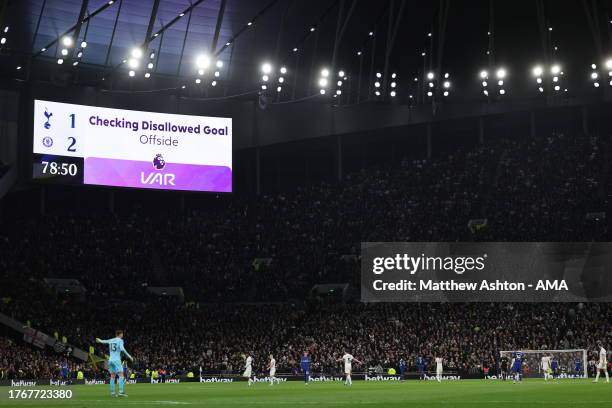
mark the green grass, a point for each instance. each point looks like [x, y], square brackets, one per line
[413, 394]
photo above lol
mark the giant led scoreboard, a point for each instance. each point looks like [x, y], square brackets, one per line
[81, 144]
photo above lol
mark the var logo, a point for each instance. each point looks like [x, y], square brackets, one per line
[157, 178]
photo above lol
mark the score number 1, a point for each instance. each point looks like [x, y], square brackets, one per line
[71, 139]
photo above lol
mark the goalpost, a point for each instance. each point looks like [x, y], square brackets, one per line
[566, 358]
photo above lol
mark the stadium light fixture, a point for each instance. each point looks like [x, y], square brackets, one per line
[393, 94]
[150, 65]
[609, 63]
[136, 53]
[283, 70]
[83, 44]
[147, 75]
[266, 68]
[325, 72]
[501, 73]
[131, 73]
[217, 74]
[133, 63]
[60, 61]
[203, 61]
[484, 74]
[198, 80]
[219, 64]
[295, 49]
[555, 69]
[67, 41]
[537, 71]
[214, 83]
[323, 82]
[322, 91]
[64, 52]
[430, 75]
[200, 72]
[341, 74]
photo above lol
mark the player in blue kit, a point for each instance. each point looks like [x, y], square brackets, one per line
[305, 367]
[554, 366]
[421, 366]
[517, 366]
[578, 367]
[402, 369]
[115, 347]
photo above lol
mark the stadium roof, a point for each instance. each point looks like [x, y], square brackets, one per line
[375, 35]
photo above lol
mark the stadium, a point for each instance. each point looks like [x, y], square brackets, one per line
[229, 203]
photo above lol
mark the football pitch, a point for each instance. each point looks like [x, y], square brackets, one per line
[464, 393]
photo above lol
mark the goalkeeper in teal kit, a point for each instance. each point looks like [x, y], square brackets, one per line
[115, 347]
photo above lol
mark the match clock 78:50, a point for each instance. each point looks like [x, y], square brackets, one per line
[59, 169]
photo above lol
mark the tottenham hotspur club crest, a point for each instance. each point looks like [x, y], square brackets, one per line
[48, 115]
[158, 162]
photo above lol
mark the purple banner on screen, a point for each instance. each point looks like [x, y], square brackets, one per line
[157, 174]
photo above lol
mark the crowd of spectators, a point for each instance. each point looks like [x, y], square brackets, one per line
[182, 338]
[274, 248]
[18, 361]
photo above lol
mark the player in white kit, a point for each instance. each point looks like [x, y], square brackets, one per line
[602, 364]
[248, 369]
[439, 368]
[545, 364]
[348, 359]
[272, 368]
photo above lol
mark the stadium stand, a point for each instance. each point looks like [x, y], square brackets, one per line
[521, 186]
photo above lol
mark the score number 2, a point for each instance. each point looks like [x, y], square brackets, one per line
[71, 139]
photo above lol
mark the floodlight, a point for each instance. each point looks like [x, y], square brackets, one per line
[219, 64]
[133, 63]
[484, 74]
[136, 53]
[538, 71]
[283, 70]
[67, 41]
[203, 61]
[501, 73]
[555, 69]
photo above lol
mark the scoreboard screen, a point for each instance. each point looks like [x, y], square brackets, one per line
[79, 144]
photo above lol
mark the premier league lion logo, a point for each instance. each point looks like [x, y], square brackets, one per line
[158, 162]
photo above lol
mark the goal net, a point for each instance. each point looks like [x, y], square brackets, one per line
[571, 363]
